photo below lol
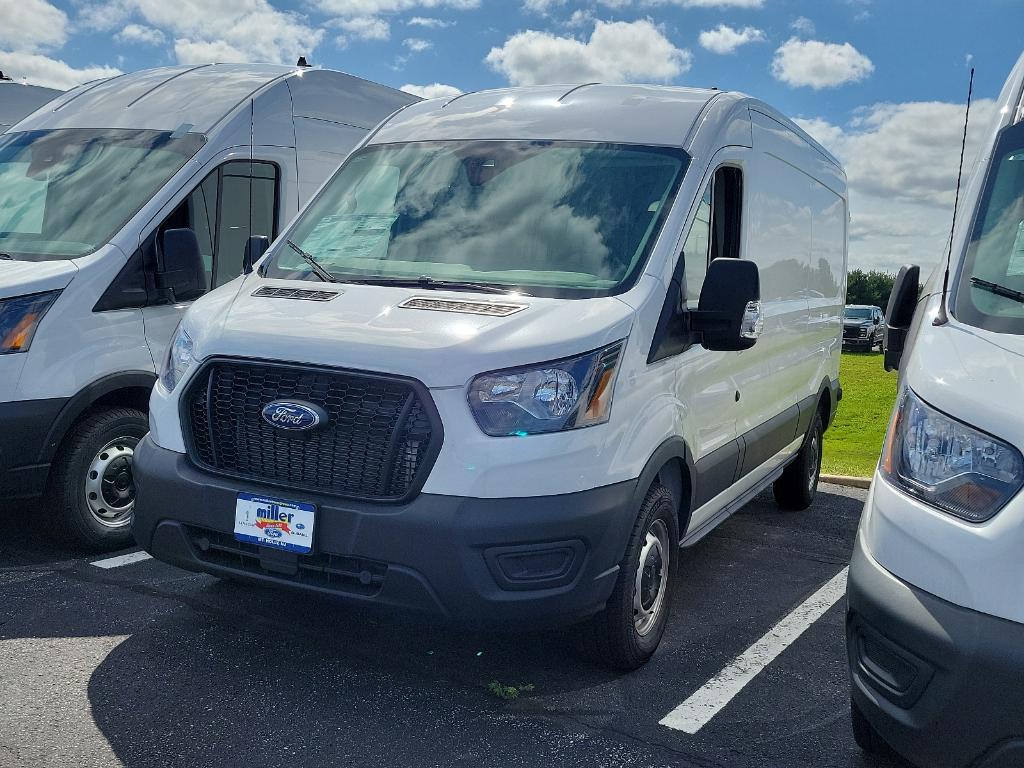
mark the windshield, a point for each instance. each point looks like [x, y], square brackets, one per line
[65, 193]
[548, 218]
[857, 314]
[992, 278]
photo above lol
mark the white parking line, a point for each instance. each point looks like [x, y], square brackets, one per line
[694, 713]
[117, 562]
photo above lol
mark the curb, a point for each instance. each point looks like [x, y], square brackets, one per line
[850, 482]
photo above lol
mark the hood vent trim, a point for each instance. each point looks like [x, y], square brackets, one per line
[463, 306]
[300, 294]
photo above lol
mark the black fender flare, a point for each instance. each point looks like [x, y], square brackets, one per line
[85, 399]
[673, 448]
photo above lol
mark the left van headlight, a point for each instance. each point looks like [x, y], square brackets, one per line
[20, 317]
[549, 397]
[180, 355]
[948, 464]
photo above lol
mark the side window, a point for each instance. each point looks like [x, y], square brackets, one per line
[716, 230]
[236, 200]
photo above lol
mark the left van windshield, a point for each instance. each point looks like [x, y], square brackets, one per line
[64, 193]
[990, 293]
[564, 219]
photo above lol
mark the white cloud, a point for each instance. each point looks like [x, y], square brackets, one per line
[580, 18]
[901, 161]
[616, 52]
[541, 6]
[417, 44]
[819, 65]
[803, 26]
[429, 22]
[726, 39]
[227, 30]
[432, 91]
[32, 25]
[137, 33]
[37, 69]
[686, 3]
[375, 7]
[365, 27]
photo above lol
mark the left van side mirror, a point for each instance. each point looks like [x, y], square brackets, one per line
[899, 314]
[729, 316]
[255, 247]
[183, 276]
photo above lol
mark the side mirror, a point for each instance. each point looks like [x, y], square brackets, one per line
[183, 276]
[729, 316]
[255, 247]
[900, 314]
[877, 320]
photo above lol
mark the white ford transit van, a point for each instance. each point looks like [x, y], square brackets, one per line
[936, 587]
[521, 345]
[18, 100]
[95, 188]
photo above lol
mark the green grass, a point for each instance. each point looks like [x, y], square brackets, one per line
[854, 441]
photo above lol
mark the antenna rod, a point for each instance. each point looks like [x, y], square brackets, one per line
[942, 318]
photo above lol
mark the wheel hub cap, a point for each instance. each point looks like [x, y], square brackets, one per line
[651, 578]
[109, 484]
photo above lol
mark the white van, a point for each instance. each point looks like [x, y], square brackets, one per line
[936, 587]
[521, 345]
[95, 190]
[18, 100]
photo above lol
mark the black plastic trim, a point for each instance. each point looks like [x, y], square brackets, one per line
[437, 428]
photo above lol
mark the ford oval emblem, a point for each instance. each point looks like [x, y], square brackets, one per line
[293, 414]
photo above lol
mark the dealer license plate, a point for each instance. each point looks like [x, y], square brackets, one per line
[277, 523]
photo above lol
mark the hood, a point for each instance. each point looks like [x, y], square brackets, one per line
[20, 277]
[364, 328]
[855, 321]
[973, 375]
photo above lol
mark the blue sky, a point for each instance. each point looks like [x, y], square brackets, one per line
[880, 82]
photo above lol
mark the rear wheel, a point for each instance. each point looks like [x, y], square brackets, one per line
[796, 487]
[627, 632]
[90, 498]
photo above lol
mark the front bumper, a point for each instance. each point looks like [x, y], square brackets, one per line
[939, 682]
[24, 427]
[527, 562]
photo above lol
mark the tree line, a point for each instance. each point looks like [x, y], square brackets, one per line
[872, 287]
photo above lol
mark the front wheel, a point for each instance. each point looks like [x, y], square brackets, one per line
[90, 498]
[796, 487]
[627, 632]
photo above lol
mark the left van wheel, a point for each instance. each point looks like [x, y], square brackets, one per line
[90, 498]
[798, 484]
[627, 632]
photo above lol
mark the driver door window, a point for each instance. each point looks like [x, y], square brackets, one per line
[715, 232]
[233, 202]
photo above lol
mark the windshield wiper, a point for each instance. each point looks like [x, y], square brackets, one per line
[998, 290]
[431, 284]
[315, 265]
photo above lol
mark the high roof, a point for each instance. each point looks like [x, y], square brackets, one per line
[635, 114]
[202, 96]
[17, 101]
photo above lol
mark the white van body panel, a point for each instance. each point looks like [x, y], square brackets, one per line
[18, 100]
[692, 396]
[976, 376]
[302, 121]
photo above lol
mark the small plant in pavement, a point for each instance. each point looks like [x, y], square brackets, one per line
[508, 692]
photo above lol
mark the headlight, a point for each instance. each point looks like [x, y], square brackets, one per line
[19, 318]
[179, 358]
[549, 397]
[948, 464]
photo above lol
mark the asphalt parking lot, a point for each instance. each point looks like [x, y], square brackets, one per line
[140, 664]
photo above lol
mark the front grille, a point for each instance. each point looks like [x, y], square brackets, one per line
[379, 439]
[339, 573]
[853, 332]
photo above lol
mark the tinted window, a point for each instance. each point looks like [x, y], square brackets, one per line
[554, 218]
[715, 233]
[233, 202]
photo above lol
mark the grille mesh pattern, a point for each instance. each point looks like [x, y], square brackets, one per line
[374, 444]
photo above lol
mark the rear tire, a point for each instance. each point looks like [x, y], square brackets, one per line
[796, 488]
[627, 632]
[90, 497]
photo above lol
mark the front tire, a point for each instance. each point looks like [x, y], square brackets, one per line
[796, 487]
[90, 497]
[627, 632]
